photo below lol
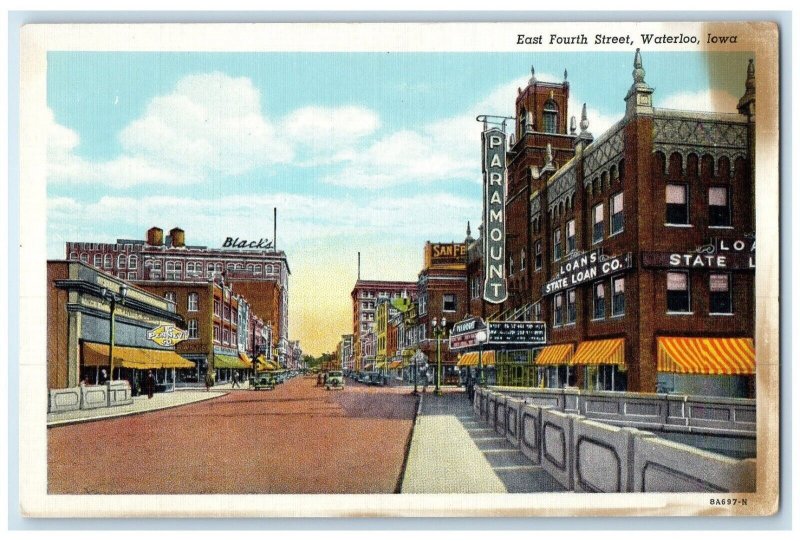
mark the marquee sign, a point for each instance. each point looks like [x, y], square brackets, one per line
[494, 201]
[586, 268]
[468, 333]
[167, 335]
[517, 333]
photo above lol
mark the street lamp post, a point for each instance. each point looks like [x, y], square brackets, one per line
[481, 338]
[439, 329]
[113, 299]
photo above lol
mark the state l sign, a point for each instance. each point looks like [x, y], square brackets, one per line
[494, 203]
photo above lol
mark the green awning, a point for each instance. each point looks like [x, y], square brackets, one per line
[228, 361]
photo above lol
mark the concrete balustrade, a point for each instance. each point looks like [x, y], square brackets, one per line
[530, 432]
[112, 393]
[660, 465]
[476, 401]
[659, 412]
[500, 416]
[513, 419]
[491, 403]
[586, 455]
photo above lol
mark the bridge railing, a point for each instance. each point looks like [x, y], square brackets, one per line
[586, 455]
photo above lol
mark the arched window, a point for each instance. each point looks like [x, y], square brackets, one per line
[121, 260]
[108, 259]
[73, 256]
[550, 117]
[97, 261]
[133, 262]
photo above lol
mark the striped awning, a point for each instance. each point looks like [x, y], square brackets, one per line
[95, 354]
[711, 356]
[474, 358]
[555, 354]
[596, 352]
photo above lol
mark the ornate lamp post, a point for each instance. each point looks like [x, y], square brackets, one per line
[482, 339]
[439, 330]
[113, 299]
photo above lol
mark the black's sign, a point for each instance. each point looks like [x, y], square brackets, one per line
[586, 269]
[527, 333]
[494, 203]
[236, 242]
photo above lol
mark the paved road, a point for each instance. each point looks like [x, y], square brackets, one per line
[298, 438]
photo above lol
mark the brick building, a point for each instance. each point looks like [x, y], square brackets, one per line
[636, 248]
[364, 297]
[261, 275]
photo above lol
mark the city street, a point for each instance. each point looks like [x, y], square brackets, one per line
[297, 438]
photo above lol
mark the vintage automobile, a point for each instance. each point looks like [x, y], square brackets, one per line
[262, 380]
[375, 378]
[334, 380]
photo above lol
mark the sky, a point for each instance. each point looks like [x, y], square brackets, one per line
[360, 152]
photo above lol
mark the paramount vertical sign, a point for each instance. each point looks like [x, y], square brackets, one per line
[494, 208]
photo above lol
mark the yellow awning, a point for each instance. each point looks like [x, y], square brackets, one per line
[712, 356]
[245, 359]
[474, 358]
[596, 352]
[95, 354]
[395, 364]
[380, 366]
[228, 361]
[555, 354]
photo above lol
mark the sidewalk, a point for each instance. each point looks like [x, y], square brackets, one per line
[141, 404]
[453, 452]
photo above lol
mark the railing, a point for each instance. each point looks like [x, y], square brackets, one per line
[585, 455]
[717, 416]
[84, 397]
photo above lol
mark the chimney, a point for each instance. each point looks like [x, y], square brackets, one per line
[155, 236]
[178, 237]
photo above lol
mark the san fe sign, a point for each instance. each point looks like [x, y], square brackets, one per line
[494, 203]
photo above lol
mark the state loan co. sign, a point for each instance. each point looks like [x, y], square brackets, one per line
[494, 202]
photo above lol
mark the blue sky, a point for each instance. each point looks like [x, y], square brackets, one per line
[370, 152]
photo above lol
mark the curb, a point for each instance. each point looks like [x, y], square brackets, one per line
[398, 489]
[66, 422]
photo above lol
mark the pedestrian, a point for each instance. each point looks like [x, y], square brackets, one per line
[103, 376]
[236, 380]
[425, 381]
[209, 380]
[150, 384]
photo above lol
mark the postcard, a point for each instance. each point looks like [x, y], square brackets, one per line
[399, 269]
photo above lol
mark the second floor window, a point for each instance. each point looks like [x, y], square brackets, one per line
[618, 296]
[678, 298]
[193, 302]
[558, 310]
[449, 302]
[599, 301]
[571, 311]
[192, 328]
[537, 255]
[720, 294]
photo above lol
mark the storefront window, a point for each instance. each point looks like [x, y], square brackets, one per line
[618, 297]
[599, 301]
[719, 212]
[720, 294]
[678, 292]
[677, 204]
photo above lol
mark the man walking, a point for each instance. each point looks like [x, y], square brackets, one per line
[236, 380]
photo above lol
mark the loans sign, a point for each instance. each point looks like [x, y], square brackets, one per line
[167, 335]
[494, 207]
[585, 268]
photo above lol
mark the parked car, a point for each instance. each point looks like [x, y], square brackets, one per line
[262, 380]
[375, 378]
[334, 380]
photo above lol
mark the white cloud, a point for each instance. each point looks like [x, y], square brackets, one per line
[703, 100]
